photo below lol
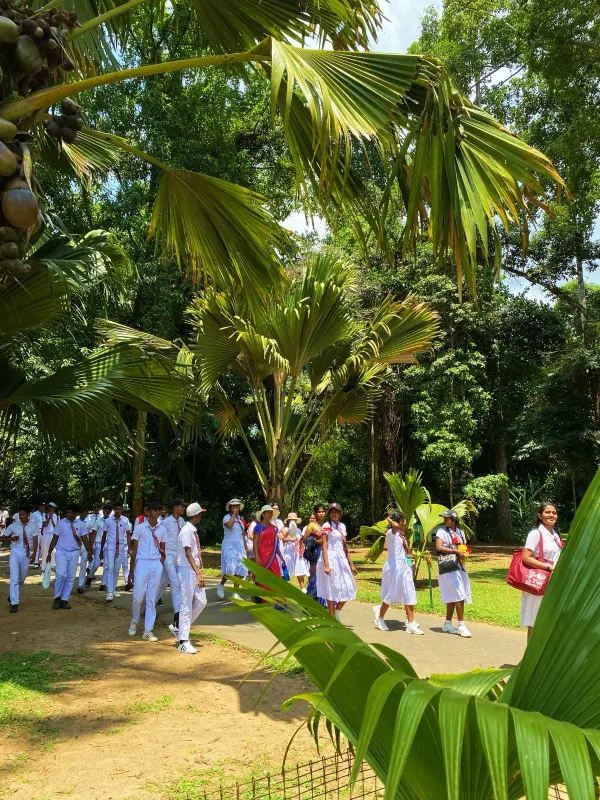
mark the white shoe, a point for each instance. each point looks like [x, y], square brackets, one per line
[116, 594]
[110, 596]
[187, 647]
[412, 627]
[132, 629]
[235, 596]
[448, 627]
[304, 590]
[337, 615]
[149, 636]
[463, 631]
[376, 610]
[220, 592]
[174, 631]
[381, 625]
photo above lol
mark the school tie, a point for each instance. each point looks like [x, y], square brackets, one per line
[75, 536]
[25, 542]
[117, 537]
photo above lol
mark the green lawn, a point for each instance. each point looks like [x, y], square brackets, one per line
[493, 599]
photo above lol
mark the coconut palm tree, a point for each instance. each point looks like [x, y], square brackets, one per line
[494, 734]
[308, 360]
[455, 169]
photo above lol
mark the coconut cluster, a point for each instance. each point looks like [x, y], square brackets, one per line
[33, 55]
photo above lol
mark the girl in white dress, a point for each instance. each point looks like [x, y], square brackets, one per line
[455, 587]
[233, 549]
[293, 549]
[335, 569]
[397, 582]
[551, 546]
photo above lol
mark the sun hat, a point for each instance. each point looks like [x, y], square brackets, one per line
[234, 502]
[449, 514]
[334, 505]
[266, 507]
[53, 505]
[193, 509]
[293, 516]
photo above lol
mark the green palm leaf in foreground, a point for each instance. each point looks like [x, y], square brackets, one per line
[466, 737]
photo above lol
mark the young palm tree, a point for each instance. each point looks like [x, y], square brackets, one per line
[498, 734]
[308, 360]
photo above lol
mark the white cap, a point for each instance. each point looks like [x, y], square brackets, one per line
[193, 509]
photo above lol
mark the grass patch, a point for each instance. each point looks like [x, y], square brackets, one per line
[493, 599]
[198, 784]
[142, 707]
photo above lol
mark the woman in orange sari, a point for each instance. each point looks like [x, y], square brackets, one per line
[267, 549]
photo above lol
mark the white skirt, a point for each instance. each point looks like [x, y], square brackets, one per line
[530, 605]
[232, 553]
[455, 586]
[338, 586]
[297, 565]
[397, 585]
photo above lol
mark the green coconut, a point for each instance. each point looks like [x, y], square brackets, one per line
[14, 266]
[20, 205]
[8, 161]
[27, 56]
[9, 250]
[9, 31]
[8, 234]
[7, 129]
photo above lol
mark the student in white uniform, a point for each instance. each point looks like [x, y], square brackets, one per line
[544, 543]
[455, 587]
[147, 556]
[113, 551]
[3, 517]
[96, 532]
[335, 583]
[191, 578]
[36, 518]
[172, 526]
[233, 548]
[68, 545]
[85, 553]
[49, 526]
[293, 549]
[397, 582]
[23, 550]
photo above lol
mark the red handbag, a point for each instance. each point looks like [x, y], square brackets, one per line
[528, 579]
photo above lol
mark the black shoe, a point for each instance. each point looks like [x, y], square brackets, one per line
[14, 609]
[65, 604]
[128, 587]
[56, 603]
[80, 590]
[102, 589]
[159, 602]
[88, 583]
[8, 598]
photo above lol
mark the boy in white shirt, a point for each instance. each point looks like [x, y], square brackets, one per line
[23, 550]
[191, 577]
[68, 547]
[83, 531]
[147, 556]
[172, 525]
[113, 550]
[49, 526]
[36, 518]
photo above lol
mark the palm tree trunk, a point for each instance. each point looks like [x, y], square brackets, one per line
[139, 456]
[503, 520]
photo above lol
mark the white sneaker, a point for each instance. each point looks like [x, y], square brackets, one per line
[116, 594]
[110, 596]
[448, 627]
[412, 627]
[149, 636]
[304, 590]
[132, 629]
[235, 596]
[220, 592]
[463, 631]
[381, 625]
[187, 647]
[174, 631]
[376, 610]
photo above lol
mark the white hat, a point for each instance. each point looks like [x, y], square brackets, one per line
[266, 507]
[234, 502]
[52, 504]
[193, 509]
[293, 516]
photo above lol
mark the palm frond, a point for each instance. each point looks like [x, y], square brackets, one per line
[32, 301]
[408, 492]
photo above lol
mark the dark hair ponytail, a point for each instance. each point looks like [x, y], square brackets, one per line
[540, 510]
[396, 516]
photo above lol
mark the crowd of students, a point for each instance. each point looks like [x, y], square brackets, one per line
[162, 549]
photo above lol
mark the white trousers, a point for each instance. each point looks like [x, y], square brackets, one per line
[171, 578]
[83, 560]
[109, 577]
[147, 576]
[122, 563]
[193, 601]
[96, 559]
[19, 567]
[43, 547]
[66, 567]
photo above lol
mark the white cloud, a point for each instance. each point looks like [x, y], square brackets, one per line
[403, 24]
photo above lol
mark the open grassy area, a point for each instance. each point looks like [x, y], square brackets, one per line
[493, 599]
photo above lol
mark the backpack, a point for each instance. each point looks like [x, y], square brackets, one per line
[311, 550]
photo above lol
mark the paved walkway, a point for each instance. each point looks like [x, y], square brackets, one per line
[490, 646]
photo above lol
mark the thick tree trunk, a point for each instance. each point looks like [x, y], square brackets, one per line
[503, 519]
[139, 456]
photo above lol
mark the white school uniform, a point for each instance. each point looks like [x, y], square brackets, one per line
[454, 586]
[97, 525]
[193, 598]
[67, 548]
[82, 528]
[20, 552]
[233, 549]
[551, 546]
[148, 571]
[36, 519]
[171, 527]
[296, 564]
[339, 585]
[397, 583]
[115, 551]
[48, 530]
